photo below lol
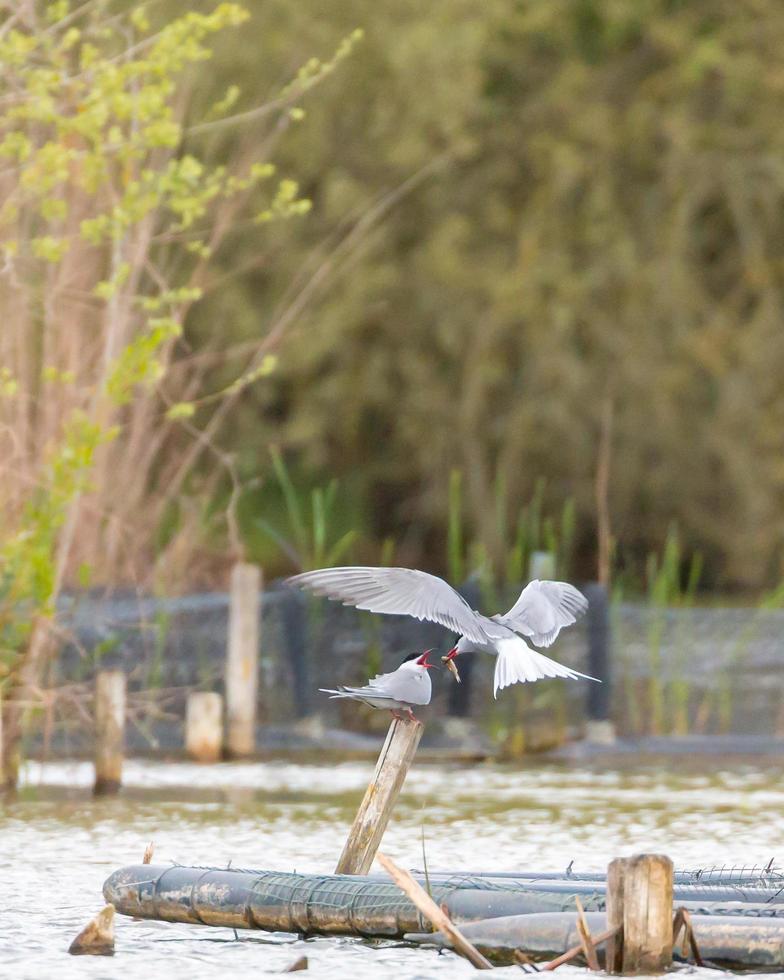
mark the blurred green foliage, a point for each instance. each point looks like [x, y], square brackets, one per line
[310, 542]
[516, 210]
[85, 113]
[603, 215]
[111, 206]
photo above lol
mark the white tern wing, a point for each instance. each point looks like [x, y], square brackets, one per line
[406, 686]
[366, 694]
[410, 686]
[517, 663]
[396, 591]
[543, 609]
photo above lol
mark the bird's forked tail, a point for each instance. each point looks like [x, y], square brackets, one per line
[517, 663]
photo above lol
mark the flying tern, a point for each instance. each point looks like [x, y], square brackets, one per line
[398, 691]
[540, 613]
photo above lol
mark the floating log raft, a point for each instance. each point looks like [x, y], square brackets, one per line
[314, 904]
[537, 915]
[728, 941]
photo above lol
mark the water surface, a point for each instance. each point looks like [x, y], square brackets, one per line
[58, 846]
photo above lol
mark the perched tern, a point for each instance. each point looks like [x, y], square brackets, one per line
[408, 685]
[539, 615]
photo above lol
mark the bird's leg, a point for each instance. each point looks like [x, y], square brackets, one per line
[411, 715]
[395, 714]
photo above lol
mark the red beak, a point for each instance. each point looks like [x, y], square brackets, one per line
[422, 662]
[451, 655]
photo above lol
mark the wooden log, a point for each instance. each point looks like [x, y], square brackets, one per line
[645, 895]
[242, 660]
[97, 937]
[204, 726]
[109, 731]
[380, 797]
[434, 914]
[374, 906]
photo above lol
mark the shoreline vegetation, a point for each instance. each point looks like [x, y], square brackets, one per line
[287, 311]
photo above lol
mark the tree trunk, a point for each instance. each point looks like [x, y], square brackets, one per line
[23, 690]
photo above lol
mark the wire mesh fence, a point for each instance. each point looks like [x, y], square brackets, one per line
[673, 670]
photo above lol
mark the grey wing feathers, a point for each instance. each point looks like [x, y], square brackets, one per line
[358, 692]
[543, 609]
[396, 591]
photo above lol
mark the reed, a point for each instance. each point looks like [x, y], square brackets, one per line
[680, 688]
[661, 704]
[455, 557]
[310, 538]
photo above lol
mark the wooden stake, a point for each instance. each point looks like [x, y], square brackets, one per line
[642, 887]
[575, 951]
[242, 660]
[380, 797]
[109, 731]
[204, 726]
[585, 937]
[436, 916]
[682, 920]
[97, 937]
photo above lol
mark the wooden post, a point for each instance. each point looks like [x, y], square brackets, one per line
[376, 808]
[599, 727]
[109, 731]
[97, 937]
[639, 895]
[242, 660]
[614, 893]
[204, 726]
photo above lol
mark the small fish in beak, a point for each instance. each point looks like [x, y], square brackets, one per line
[449, 662]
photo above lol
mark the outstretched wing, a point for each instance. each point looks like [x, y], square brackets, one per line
[543, 609]
[396, 591]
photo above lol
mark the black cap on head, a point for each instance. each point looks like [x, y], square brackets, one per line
[412, 656]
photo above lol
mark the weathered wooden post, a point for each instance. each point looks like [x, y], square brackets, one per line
[383, 790]
[639, 897]
[242, 660]
[599, 726]
[204, 726]
[109, 731]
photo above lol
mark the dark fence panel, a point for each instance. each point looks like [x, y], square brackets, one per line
[684, 669]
